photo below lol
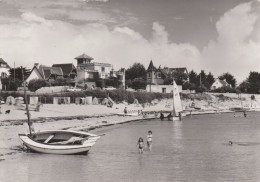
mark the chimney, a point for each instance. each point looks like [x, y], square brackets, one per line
[36, 64]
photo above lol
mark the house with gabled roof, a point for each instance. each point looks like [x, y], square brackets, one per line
[68, 69]
[4, 69]
[220, 83]
[156, 76]
[34, 74]
[44, 73]
[50, 72]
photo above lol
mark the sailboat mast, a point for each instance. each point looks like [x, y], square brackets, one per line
[173, 108]
[26, 103]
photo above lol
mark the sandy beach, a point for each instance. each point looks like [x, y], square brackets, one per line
[89, 117]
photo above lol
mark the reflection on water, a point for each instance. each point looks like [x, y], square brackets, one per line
[195, 149]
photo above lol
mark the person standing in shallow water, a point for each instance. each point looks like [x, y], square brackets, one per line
[125, 110]
[140, 145]
[149, 140]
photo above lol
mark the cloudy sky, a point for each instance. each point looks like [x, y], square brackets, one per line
[215, 35]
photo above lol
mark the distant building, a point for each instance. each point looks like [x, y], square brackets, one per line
[35, 74]
[51, 72]
[45, 73]
[162, 88]
[219, 83]
[156, 76]
[88, 70]
[4, 69]
[86, 73]
[68, 70]
[120, 74]
[84, 62]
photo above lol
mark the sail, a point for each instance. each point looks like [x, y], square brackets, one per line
[177, 106]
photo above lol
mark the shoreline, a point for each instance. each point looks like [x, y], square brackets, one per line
[84, 118]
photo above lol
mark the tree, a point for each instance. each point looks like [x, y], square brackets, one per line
[179, 77]
[209, 80]
[139, 83]
[16, 73]
[114, 82]
[100, 83]
[193, 77]
[230, 79]
[189, 86]
[254, 82]
[9, 84]
[137, 70]
[243, 87]
[202, 77]
[36, 84]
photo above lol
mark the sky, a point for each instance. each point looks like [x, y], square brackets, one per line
[217, 36]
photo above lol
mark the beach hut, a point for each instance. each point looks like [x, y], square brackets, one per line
[83, 101]
[89, 100]
[18, 101]
[61, 100]
[95, 101]
[66, 100]
[136, 102]
[77, 100]
[10, 100]
[34, 100]
[105, 101]
[55, 100]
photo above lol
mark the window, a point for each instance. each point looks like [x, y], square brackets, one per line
[103, 69]
[163, 90]
[3, 75]
[149, 75]
[159, 75]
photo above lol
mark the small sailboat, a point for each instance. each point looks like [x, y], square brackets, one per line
[56, 141]
[240, 108]
[177, 105]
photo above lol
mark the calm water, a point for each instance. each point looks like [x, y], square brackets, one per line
[194, 149]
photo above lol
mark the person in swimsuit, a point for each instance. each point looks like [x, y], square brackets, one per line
[125, 110]
[140, 145]
[149, 140]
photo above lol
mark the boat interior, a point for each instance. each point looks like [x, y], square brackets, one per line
[60, 138]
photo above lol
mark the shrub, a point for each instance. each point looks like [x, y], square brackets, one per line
[201, 89]
[225, 90]
[36, 84]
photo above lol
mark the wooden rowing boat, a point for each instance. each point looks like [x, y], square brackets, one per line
[59, 142]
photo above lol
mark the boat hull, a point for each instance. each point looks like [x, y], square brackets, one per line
[239, 109]
[65, 149]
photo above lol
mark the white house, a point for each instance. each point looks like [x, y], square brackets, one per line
[219, 83]
[162, 88]
[84, 63]
[35, 74]
[4, 68]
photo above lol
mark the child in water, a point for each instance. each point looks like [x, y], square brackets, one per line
[140, 145]
[149, 140]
